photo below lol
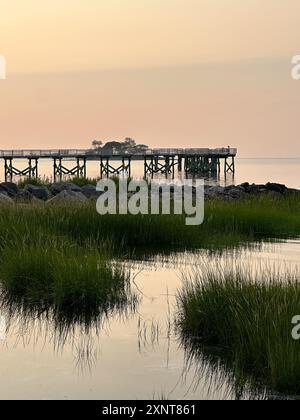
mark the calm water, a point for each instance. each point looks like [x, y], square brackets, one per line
[284, 171]
[130, 357]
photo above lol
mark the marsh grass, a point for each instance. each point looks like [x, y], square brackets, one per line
[37, 181]
[71, 279]
[48, 181]
[245, 315]
[226, 224]
[81, 181]
[63, 255]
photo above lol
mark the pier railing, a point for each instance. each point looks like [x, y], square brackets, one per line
[94, 153]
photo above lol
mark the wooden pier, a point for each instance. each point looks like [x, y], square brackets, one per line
[156, 161]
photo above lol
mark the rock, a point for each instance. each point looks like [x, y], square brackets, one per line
[278, 188]
[58, 187]
[244, 186]
[225, 193]
[235, 192]
[25, 196]
[230, 187]
[217, 190]
[214, 192]
[262, 189]
[254, 189]
[5, 199]
[40, 192]
[10, 188]
[68, 196]
[293, 191]
[270, 187]
[90, 191]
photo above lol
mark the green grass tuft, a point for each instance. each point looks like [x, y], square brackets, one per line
[247, 316]
[74, 278]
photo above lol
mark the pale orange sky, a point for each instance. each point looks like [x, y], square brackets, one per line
[166, 72]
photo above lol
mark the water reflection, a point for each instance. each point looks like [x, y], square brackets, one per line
[219, 367]
[110, 355]
[46, 324]
[211, 366]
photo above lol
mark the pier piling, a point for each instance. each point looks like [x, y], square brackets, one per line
[30, 171]
[107, 168]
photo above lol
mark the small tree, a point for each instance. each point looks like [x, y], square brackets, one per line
[129, 143]
[127, 146]
[97, 144]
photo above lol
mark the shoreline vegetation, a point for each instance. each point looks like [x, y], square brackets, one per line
[67, 260]
[270, 212]
[240, 319]
[67, 279]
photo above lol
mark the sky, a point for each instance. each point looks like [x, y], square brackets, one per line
[182, 73]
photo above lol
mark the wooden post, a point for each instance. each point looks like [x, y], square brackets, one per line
[129, 169]
[101, 170]
[179, 163]
[84, 167]
[5, 169]
[36, 168]
[60, 168]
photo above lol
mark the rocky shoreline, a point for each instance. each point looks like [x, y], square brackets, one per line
[69, 192]
[247, 190]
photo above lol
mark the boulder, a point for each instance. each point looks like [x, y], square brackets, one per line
[5, 199]
[234, 192]
[245, 186]
[58, 187]
[39, 192]
[68, 196]
[25, 196]
[278, 188]
[90, 191]
[216, 190]
[293, 191]
[249, 188]
[254, 189]
[9, 188]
